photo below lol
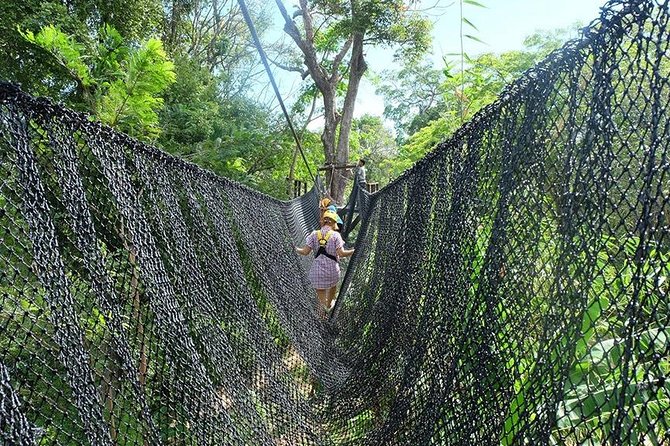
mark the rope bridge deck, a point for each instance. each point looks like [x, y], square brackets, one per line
[509, 289]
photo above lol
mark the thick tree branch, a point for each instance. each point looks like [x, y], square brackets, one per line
[305, 45]
[307, 21]
[290, 28]
[357, 68]
[303, 73]
[338, 60]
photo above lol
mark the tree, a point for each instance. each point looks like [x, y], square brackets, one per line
[214, 35]
[209, 116]
[35, 68]
[375, 143]
[463, 94]
[331, 37]
[412, 97]
[120, 85]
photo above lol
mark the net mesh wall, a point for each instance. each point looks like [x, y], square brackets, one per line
[509, 289]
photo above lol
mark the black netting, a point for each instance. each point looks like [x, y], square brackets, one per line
[511, 288]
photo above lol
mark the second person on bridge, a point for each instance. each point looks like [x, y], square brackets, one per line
[328, 246]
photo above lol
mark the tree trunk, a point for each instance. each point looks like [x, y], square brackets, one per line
[336, 151]
[329, 133]
[356, 70]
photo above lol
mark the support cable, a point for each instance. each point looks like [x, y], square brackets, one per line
[257, 43]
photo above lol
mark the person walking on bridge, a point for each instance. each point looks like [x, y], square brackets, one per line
[326, 204]
[328, 246]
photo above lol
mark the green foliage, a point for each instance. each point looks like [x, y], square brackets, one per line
[215, 38]
[592, 389]
[233, 136]
[462, 94]
[245, 142]
[374, 142]
[131, 101]
[112, 51]
[135, 21]
[192, 108]
[390, 23]
[66, 51]
[419, 144]
[120, 84]
[412, 97]
[273, 181]
[34, 67]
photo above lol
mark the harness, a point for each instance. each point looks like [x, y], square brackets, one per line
[323, 240]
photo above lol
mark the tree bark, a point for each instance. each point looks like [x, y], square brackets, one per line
[357, 69]
[335, 146]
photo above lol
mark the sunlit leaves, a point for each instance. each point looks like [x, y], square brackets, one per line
[64, 48]
[463, 94]
[411, 96]
[121, 83]
[131, 102]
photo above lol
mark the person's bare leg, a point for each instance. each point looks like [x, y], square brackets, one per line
[332, 293]
[322, 298]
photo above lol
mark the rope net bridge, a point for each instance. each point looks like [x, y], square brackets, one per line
[510, 289]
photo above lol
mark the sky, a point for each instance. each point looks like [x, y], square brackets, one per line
[502, 25]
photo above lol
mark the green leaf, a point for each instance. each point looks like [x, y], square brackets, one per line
[64, 49]
[589, 318]
[131, 102]
[476, 39]
[469, 23]
[474, 3]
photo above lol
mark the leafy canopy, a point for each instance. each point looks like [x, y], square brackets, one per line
[120, 84]
[383, 22]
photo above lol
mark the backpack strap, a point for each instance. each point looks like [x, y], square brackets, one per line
[323, 241]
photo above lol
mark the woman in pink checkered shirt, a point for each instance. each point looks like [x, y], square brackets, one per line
[328, 246]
